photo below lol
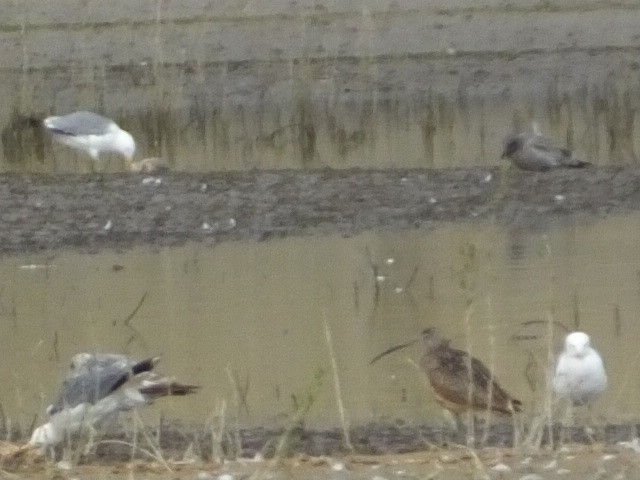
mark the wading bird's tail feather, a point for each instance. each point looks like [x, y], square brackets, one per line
[516, 405]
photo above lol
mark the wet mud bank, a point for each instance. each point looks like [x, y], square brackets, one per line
[372, 439]
[95, 212]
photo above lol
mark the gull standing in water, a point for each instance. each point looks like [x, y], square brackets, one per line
[462, 382]
[91, 133]
[532, 151]
[580, 375]
[97, 388]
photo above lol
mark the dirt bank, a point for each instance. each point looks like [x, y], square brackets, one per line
[120, 211]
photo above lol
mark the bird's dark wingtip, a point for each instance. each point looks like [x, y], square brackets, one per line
[57, 131]
[581, 164]
[145, 365]
[516, 405]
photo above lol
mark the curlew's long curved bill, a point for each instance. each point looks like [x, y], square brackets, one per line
[391, 350]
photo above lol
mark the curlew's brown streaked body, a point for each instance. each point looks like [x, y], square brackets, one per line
[460, 381]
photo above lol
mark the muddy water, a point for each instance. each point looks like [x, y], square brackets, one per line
[245, 85]
[256, 313]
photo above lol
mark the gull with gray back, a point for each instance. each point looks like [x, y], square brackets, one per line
[532, 151]
[91, 133]
[97, 388]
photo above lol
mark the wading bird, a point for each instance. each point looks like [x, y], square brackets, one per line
[97, 388]
[91, 133]
[580, 376]
[462, 382]
[532, 151]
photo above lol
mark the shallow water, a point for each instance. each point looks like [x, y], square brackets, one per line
[256, 312]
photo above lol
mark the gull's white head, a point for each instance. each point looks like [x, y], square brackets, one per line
[577, 344]
[125, 144]
[47, 434]
[80, 359]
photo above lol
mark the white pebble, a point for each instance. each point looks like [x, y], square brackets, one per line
[404, 179]
[551, 465]
[338, 467]
[167, 208]
[531, 476]
[433, 200]
[501, 468]
[204, 476]
[204, 187]
[226, 476]
[108, 225]
[559, 198]
[451, 51]
[206, 226]
[32, 266]
[487, 178]
[64, 465]
[232, 222]
[398, 289]
[390, 261]
[607, 457]
[258, 457]
[380, 278]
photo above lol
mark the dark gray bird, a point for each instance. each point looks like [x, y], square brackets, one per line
[462, 382]
[532, 151]
[97, 388]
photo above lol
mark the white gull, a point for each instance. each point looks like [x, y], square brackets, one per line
[91, 133]
[580, 374]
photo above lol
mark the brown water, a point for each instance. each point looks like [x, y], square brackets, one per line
[257, 312]
[243, 85]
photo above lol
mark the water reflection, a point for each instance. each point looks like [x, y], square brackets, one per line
[321, 88]
[255, 313]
